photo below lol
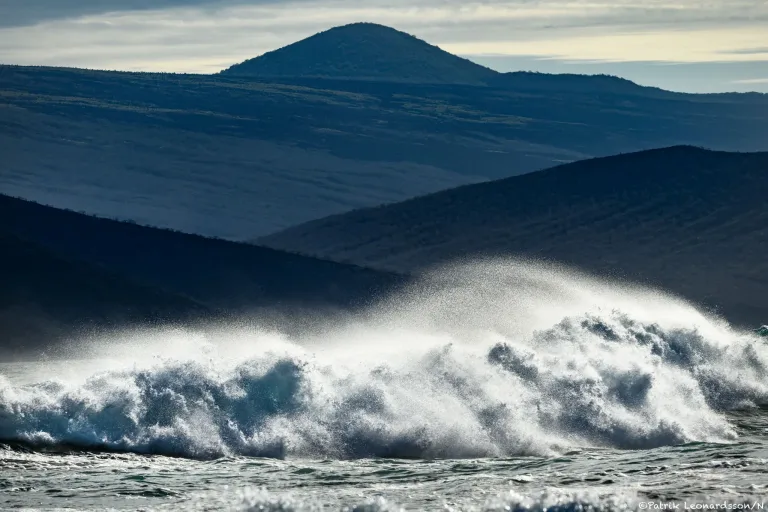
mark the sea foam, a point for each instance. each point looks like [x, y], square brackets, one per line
[486, 360]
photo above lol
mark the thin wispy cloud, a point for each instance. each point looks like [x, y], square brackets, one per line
[29, 12]
[753, 81]
[750, 51]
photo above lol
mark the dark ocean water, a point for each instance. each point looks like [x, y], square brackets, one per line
[503, 387]
[599, 479]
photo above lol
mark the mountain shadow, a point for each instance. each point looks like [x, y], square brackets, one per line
[689, 220]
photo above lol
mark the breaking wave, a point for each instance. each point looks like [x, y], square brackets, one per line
[489, 360]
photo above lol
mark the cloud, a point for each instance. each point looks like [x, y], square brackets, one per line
[752, 81]
[763, 50]
[29, 12]
[25, 12]
[706, 44]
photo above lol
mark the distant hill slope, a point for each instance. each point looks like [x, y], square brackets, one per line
[592, 84]
[365, 51]
[689, 220]
[230, 277]
[45, 298]
[240, 157]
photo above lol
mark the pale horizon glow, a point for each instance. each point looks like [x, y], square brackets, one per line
[754, 81]
[205, 36]
[675, 47]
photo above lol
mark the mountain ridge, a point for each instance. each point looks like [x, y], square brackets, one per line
[364, 51]
[371, 51]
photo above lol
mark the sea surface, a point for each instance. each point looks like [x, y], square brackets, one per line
[492, 386]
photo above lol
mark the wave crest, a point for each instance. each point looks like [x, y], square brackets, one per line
[473, 388]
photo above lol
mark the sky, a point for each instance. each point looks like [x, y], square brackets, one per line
[688, 45]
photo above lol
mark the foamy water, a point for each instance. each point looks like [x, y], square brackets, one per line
[492, 361]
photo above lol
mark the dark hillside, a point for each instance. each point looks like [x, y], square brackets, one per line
[235, 278]
[688, 220]
[365, 51]
[591, 84]
[45, 298]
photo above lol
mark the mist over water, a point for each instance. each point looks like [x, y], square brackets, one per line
[491, 359]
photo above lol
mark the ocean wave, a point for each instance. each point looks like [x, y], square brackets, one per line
[464, 369]
[256, 499]
[552, 500]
